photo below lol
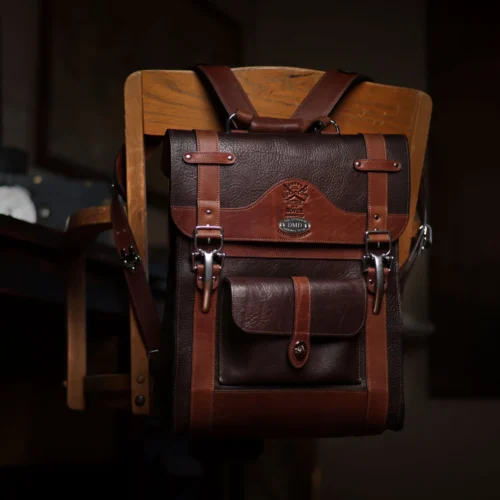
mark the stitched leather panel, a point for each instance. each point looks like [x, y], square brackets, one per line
[263, 161]
[265, 305]
[237, 266]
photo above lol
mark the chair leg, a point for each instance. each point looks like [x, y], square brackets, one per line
[76, 333]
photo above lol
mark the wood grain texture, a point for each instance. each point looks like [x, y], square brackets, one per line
[76, 327]
[177, 99]
[137, 215]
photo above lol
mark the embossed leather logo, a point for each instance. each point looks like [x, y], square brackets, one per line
[295, 195]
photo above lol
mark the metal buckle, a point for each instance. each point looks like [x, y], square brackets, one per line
[380, 260]
[130, 258]
[320, 126]
[426, 231]
[228, 122]
[207, 258]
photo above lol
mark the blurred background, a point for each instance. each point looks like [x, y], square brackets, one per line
[63, 67]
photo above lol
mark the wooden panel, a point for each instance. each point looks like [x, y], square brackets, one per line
[137, 214]
[177, 99]
[76, 333]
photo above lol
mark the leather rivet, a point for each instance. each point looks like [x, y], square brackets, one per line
[376, 216]
[140, 400]
[188, 157]
[229, 157]
[300, 351]
[357, 164]
[208, 212]
[396, 164]
[370, 281]
[141, 379]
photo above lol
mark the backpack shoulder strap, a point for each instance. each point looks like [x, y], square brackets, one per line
[227, 89]
[320, 101]
[327, 93]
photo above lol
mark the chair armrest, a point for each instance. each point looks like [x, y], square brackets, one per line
[85, 225]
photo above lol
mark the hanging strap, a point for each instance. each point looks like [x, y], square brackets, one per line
[226, 90]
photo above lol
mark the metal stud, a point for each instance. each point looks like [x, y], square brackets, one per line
[376, 216]
[229, 157]
[208, 211]
[300, 351]
[396, 164]
[141, 379]
[370, 281]
[357, 164]
[140, 400]
[188, 157]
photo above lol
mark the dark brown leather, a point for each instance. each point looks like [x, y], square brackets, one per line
[325, 161]
[266, 306]
[257, 323]
[209, 158]
[365, 165]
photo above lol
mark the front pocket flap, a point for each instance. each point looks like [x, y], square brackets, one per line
[266, 305]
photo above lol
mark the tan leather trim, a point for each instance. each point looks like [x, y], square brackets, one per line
[203, 365]
[376, 328]
[260, 220]
[300, 346]
[204, 323]
[377, 165]
[209, 158]
[377, 184]
[208, 182]
[261, 251]
[376, 367]
[317, 413]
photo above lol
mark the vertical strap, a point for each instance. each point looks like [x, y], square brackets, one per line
[376, 324]
[204, 323]
[327, 93]
[228, 89]
[300, 345]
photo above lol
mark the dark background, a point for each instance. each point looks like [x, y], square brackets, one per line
[63, 66]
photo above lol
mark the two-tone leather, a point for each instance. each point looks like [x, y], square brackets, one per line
[314, 178]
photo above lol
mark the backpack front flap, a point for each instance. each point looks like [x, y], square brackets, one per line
[285, 318]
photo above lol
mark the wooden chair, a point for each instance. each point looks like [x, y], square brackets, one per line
[156, 100]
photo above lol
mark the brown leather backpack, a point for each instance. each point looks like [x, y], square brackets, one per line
[283, 308]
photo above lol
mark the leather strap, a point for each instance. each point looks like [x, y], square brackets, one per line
[227, 88]
[300, 345]
[204, 323]
[141, 298]
[317, 105]
[327, 93]
[376, 327]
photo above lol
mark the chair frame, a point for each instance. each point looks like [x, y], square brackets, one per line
[156, 100]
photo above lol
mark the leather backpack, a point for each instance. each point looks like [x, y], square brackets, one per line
[283, 305]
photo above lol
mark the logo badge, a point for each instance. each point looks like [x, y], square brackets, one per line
[295, 225]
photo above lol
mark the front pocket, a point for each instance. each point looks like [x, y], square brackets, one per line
[256, 325]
